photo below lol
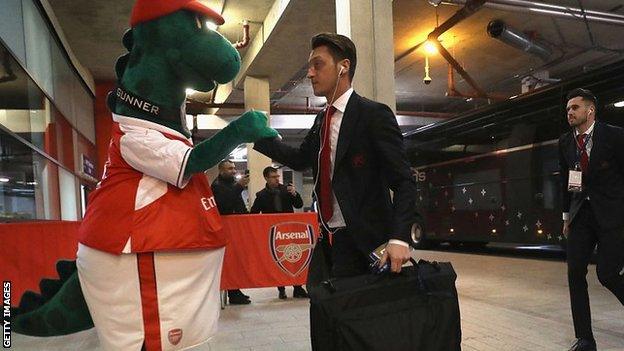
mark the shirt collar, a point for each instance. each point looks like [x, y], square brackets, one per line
[589, 130]
[341, 103]
[138, 122]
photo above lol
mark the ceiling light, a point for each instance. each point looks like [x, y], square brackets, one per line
[239, 154]
[4, 180]
[211, 25]
[189, 122]
[430, 48]
[619, 104]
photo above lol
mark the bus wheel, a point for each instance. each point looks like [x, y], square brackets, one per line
[419, 238]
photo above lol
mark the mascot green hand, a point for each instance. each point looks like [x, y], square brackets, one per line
[151, 245]
[249, 127]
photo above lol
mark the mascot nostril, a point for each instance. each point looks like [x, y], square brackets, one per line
[150, 250]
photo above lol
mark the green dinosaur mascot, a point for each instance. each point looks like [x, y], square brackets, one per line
[150, 245]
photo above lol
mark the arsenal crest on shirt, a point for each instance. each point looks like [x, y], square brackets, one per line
[174, 336]
[291, 246]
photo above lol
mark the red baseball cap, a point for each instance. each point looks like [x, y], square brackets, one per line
[147, 10]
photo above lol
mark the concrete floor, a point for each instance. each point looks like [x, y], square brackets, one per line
[506, 303]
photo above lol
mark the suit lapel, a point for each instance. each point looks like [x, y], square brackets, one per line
[347, 127]
[595, 155]
[571, 152]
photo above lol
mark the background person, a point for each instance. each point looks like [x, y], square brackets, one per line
[593, 215]
[227, 192]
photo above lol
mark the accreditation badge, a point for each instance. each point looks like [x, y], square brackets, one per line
[575, 181]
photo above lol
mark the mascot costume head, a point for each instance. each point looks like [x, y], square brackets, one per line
[151, 248]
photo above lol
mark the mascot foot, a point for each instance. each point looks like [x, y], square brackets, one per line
[60, 309]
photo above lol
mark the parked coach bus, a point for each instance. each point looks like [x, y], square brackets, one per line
[492, 174]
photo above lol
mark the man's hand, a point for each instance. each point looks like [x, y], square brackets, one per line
[398, 254]
[244, 181]
[291, 189]
[566, 228]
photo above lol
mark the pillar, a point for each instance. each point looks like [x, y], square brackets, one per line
[257, 97]
[369, 24]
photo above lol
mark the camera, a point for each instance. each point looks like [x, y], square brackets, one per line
[427, 80]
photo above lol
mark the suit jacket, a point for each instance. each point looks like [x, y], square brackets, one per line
[604, 180]
[265, 201]
[370, 161]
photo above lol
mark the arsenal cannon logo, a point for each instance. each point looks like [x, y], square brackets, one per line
[291, 246]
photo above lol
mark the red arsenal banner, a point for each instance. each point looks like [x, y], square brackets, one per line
[268, 250]
[263, 251]
[29, 252]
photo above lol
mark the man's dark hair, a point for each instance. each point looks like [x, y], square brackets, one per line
[340, 47]
[585, 94]
[223, 162]
[268, 170]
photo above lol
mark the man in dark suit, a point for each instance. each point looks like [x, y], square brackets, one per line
[591, 155]
[356, 153]
[227, 192]
[278, 198]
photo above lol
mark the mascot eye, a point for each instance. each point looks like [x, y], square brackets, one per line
[198, 22]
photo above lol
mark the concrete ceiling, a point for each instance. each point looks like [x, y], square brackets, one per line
[94, 29]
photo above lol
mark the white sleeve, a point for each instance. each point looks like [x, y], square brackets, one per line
[398, 242]
[151, 153]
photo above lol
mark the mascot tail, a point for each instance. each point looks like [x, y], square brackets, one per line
[59, 309]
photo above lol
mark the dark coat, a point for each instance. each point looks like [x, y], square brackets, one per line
[227, 193]
[265, 201]
[370, 161]
[604, 181]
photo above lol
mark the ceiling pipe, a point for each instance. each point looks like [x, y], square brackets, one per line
[457, 66]
[295, 109]
[498, 29]
[243, 43]
[451, 91]
[195, 107]
[535, 7]
[471, 7]
[426, 114]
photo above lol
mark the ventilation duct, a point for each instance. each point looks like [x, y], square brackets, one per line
[500, 30]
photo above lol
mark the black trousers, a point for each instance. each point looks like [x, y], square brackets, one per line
[341, 258]
[584, 235]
